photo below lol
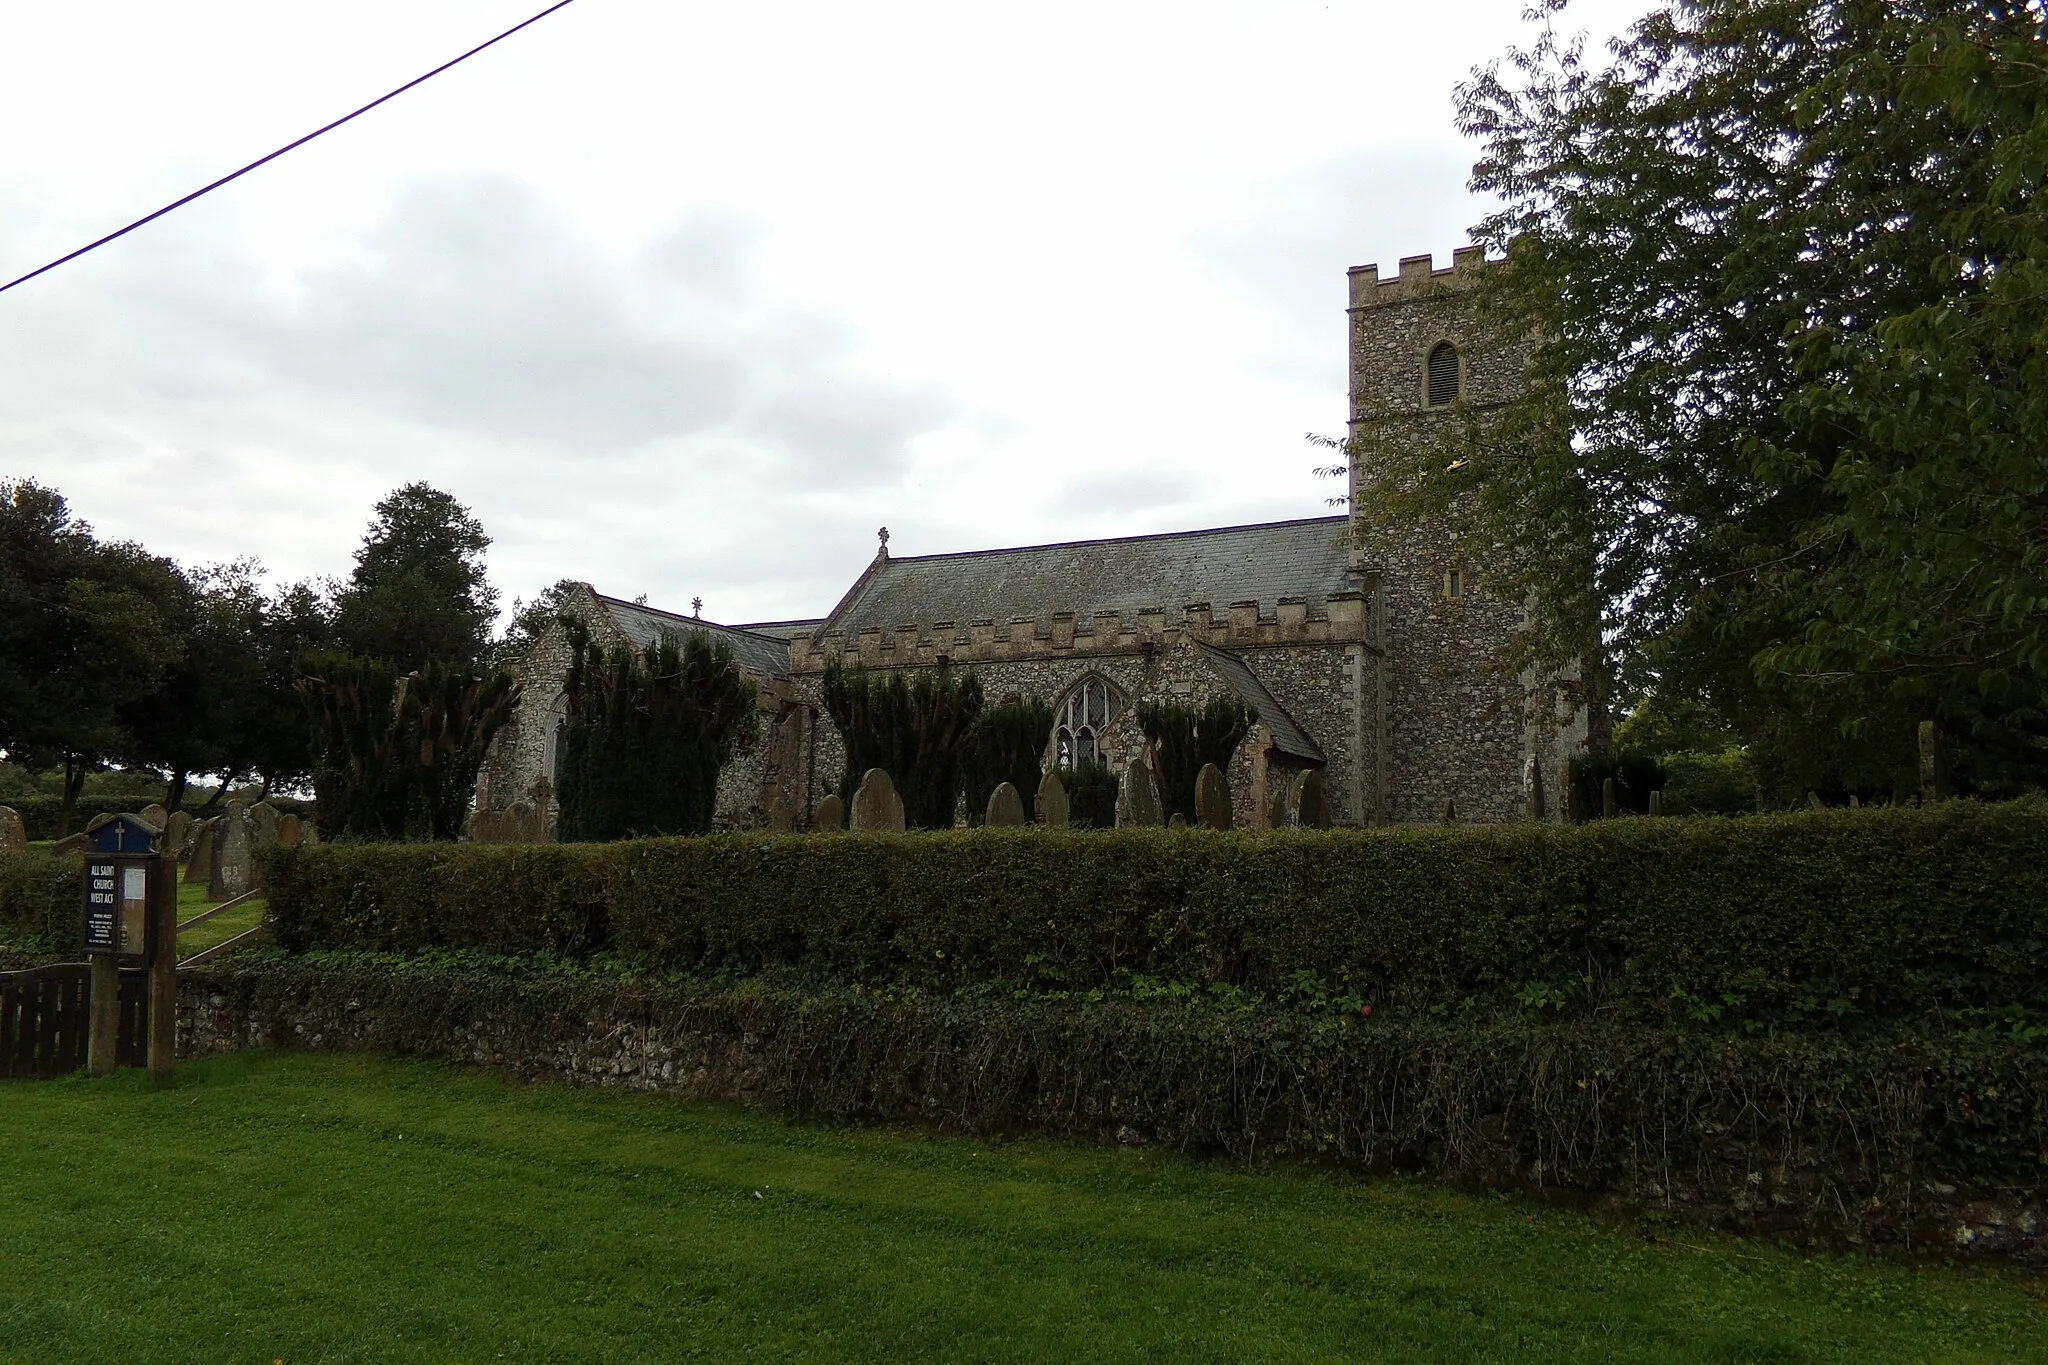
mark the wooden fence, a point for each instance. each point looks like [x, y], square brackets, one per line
[45, 1017]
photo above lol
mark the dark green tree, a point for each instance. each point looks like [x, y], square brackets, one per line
[647, 734]
[87, 628]
[1008, 744]
[397, 758]
[418, 590]
[1091, 795]
[1184, 738]
[917, 731]
[1778, 268]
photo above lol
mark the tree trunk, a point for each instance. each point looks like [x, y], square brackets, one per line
[174, 793]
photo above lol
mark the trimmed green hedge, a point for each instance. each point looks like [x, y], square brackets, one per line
[43, 816]
[41, 900]
[1799, 919]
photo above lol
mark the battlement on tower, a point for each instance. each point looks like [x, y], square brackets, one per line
[1418, 278]
[1066, 634]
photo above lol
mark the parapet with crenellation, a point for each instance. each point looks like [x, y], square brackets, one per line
[1418, 278]
[1145, 630]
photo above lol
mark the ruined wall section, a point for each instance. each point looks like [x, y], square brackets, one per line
[1461, 730]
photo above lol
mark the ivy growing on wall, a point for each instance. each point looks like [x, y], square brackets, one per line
[1186, 737]
[646, 735]
[919, 732]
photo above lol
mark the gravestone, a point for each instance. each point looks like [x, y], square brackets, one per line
[177, 840]
[13, 834]
[876, 806]
[155, 816]
[1276, 805]
[234, 854]
[1005, 807]
[263, 819]
[781, 813]
[70, 846]
[527, 823]
[199, 862]
[831, 813]
[1212, 798]
[1052, 801]
[1178, 821]
[1137, 797]
[1310, 810]
[289, 829]
[488, 826]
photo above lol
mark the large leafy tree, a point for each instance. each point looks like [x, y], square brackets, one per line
[418, 590]
[1782, 269]
[87, 628]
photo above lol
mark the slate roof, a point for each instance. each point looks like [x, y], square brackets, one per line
[781, 630]
[642, 625]
[1227, 564]
[1288, 736]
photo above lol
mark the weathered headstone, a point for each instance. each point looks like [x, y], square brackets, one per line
[13, 834]
[780, 815]
[1311, 811]
[177, 840]
[1278, 811]
[234, 854]
[1005, 807]
[1137, 797]
[154, 815]
[199, 862]
[1178, 821]
[831, 813]
[1053, 812]
[487, 826]
[263, 818]
[1212, 798]
[70, 846]
[289, 829]
[876, 806]
[527, 823]
[1532, 787]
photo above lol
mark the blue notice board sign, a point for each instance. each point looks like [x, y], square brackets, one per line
[102, 906]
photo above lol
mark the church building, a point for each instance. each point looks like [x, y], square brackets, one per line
[1368, 655]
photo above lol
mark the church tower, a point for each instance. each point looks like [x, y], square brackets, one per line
[1457, 735]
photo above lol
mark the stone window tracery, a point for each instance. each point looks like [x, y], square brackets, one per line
[1445, 374]
[1077, 738]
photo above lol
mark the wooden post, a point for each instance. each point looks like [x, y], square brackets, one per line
[162, 958]
[104, 1030]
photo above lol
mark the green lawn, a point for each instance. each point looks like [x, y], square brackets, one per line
[306, 1207]
[192, 899]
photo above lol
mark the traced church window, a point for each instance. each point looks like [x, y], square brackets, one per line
[1455, 584]
[1082, 720]
[556, 722]
[1444, 374]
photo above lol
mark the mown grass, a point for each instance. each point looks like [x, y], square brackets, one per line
[299, 1207]
[192, 899]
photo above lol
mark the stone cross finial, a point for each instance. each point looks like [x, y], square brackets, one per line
[696, 606]
[883, 536]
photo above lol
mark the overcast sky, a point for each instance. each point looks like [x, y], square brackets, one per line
[688, 299]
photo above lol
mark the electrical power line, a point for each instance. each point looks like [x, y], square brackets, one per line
[208, 189]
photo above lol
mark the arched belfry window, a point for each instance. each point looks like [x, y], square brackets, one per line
[1086, 714]
[1444, 374]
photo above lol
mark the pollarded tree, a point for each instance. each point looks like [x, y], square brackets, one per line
[1779, 447]
[1185, 739]
[646, 735]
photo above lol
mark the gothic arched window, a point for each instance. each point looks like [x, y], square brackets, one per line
[1444, 376]
[1086, 714]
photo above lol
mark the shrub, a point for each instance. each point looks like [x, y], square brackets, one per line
[43, 816]
[1186, 739]
[1091, 795]
[918, 732]
[1008, 745]
[1799, 920]
[41, 900]
[647, 735]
